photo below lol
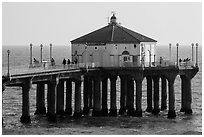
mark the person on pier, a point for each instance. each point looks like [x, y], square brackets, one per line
[64, 62]
[52, 62]
[68, 63]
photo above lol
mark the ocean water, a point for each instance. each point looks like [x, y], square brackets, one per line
[121, 125]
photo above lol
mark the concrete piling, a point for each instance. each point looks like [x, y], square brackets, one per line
[113, 107]
[149, 94]
[186, 96]
[86, 96]
[123, 88]
[104, 111]
[60, 97]
[68, 110]
[91, 90]
[138, 101]
[163, 93]
[156, 109]
[51, 100]
[77, 103]
[25, 118]
[130, 97]
[171, 113]
[40, 99]
[97, 97]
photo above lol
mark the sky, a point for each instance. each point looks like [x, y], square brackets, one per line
[60, 22]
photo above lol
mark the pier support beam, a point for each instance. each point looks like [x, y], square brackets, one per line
[77, 104]
[97, 97]
[156, 109]
[104, 111]
[86, 96]
[51, 100]
[40, 99]
[171, 113]
[68, 110]
[149, 94]
[25, 118]
[186, 97]
[123, 88]
[91, 91]
[130, 97]
[60, 98]
[113, 107]
[163, 93]
[138, 101]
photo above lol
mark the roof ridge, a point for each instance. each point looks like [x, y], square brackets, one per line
[121, 27]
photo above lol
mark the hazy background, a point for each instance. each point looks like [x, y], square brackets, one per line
[59, 23]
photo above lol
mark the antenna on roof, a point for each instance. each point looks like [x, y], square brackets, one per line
[113, 12]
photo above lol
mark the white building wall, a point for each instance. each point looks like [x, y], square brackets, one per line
[115, 53]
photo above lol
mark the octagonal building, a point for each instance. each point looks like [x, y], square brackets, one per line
[114, 46]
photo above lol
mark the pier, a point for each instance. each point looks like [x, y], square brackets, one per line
[94, 91]
[107, 54]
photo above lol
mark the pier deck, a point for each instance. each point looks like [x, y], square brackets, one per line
[94, 90]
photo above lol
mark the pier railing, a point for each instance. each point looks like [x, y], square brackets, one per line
[37, 68]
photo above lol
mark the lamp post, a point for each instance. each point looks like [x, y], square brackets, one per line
[50, 52]
[177, 53]
[169, 51]
[196, 54]
[41, 46]
[8, 51]
[86, 55]
[192, 52]
[31, 55]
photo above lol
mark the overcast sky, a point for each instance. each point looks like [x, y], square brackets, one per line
[59, 23]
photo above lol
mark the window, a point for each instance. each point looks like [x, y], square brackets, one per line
[125, 58]
[75, 52]
[95, 47]
[134, 45]
[142, 48]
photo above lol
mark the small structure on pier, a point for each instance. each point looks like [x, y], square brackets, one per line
[114, 45]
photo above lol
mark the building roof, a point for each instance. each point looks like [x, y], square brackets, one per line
[112, 33]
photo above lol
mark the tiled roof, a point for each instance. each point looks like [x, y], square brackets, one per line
[112, 33]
